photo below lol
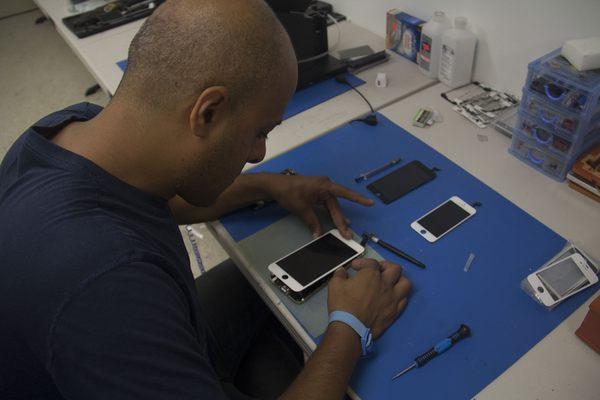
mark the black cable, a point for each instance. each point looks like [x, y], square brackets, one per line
[342, 79]
[369, 119]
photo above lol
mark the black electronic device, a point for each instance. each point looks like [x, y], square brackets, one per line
[302, 296]
[289, 5]
[306, 23]
[319, 70]
[320, 7]
[307, 33]
[401, 181]
[325, 9]
[309, 38]
[355, 53]
[367, 61]
[110, 16]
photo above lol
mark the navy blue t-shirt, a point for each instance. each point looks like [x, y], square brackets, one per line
[97, 300]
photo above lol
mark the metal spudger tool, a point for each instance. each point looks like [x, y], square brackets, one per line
[393, 249]
[366, 175]
[462, 332]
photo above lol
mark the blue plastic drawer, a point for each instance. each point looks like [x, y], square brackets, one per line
[545, 138]
[554, 79]
[552, 116]
[554, 166]
[554, 139]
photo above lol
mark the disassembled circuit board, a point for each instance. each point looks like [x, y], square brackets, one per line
[479, 103]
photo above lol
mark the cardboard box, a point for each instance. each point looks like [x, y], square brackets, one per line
[403, 34]
[589, 331]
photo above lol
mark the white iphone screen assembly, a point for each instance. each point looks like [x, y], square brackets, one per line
[562, 279]
[443, 219]
[315, 260]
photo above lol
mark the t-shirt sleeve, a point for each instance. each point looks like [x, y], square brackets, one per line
[128, 335]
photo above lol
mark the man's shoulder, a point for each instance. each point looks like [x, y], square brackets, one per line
[80, 111]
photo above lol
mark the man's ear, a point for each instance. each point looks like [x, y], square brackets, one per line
[208, 108]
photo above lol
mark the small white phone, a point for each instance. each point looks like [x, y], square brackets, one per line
[442, 219]
[562, 279]
[315, 260]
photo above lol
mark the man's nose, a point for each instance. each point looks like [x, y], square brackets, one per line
[258, 153]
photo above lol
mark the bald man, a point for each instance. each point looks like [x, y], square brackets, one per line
[97, 300]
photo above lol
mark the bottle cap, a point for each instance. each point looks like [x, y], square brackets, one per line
[460, 22]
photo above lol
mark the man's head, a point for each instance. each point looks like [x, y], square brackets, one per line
[220, 73]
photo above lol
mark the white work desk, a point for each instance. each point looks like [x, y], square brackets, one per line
[107, 43]
[560, 366]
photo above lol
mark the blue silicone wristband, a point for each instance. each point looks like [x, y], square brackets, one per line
[361, 330]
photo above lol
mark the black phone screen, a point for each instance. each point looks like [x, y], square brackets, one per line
[443, 218]
[316, 259]
[401, 181]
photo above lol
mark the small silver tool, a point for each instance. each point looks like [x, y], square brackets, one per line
[375, 171]
[469, 262]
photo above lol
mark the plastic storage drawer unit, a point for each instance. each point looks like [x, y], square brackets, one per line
[555, 140]
[552, 116]
[554, 166]
[559, 116]
[554, 79]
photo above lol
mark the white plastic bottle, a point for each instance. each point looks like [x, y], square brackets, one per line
[456, 58]
[431, 44]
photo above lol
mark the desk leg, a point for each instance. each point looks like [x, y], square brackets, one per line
[92, 89]
[265, 292]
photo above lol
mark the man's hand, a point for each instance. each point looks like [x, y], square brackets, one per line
[301, 194]
[376, 295]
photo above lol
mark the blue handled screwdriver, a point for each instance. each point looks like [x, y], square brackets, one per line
[462, 332]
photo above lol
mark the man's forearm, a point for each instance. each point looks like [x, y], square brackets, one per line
[328, 371]
[247, 189]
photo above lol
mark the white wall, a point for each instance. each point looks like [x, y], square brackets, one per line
[511, 33]
[10, 7]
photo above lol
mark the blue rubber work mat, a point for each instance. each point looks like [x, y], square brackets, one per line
[318, 93]
[122, 64]
[507, 242]
[308, 97]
